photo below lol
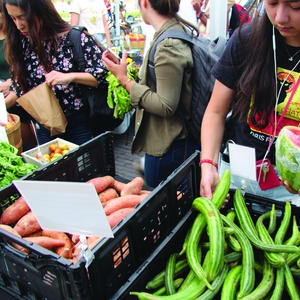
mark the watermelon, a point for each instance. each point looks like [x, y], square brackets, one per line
[287, 153]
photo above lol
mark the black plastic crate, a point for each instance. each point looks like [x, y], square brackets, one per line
[156, 262]
[139, 235]
[44, 275]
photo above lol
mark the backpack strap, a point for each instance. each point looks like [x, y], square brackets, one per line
[74, 37]
[215, 47]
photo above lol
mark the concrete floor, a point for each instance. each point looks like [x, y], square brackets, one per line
[122, 151]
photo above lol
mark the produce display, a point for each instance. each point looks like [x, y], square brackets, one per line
[287, 152]
[118, 97]
[55, 151]
[227, 254]
[118, 200]
[12, 167]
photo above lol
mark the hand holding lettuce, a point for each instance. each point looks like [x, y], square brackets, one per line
[118, 98]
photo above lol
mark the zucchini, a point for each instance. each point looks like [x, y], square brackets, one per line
[249, 229]
[293, 240]
[248, 274]
[265, 284]
[192, 291]
[215, 233]
[275, 259]
[233, 257]
[281, 232]
[292, 258]
[228, 231]
[184, 245]
[187, 280]
[170, 272]
[216, 284]
[231, 215]
[273, 219]
[291, 286]
[162, 291]
[295, 272]
[231, 283]
[193, 251]
[221, 191]
[279, 285]
[158, 280]
[233, 243]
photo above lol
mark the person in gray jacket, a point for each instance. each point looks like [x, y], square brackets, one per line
[159, 130]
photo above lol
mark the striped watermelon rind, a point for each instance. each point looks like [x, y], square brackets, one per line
[287, 153]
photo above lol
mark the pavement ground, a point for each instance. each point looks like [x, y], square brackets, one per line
[122, 151]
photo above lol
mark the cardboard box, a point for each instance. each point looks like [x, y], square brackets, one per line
[30, 155]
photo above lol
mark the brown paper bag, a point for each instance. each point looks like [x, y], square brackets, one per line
[43, 106]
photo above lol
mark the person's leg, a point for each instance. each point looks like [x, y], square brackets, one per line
[157, 169]
[76, 131]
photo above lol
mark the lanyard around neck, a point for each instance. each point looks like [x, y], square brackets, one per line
[284, 112]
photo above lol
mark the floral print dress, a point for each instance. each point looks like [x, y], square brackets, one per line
[70, 96]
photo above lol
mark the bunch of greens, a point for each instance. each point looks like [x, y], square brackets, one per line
[118, 98]
[11, 165]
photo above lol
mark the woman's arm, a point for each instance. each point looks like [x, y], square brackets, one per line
[74, 19]
[106, 30]
[171, 63]
[212, 131]
[11, 100]
[4, 87]
[55, 77]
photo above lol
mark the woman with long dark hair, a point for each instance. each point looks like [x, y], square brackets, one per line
[38, 50]
[159, 128]
[255, 78]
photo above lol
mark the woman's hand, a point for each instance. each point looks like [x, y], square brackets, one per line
[286, 184]
[4, 87]
[55, 77]
[119, 70]
[209, 180]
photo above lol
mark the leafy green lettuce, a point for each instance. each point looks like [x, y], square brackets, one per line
[12, 165]
[118, 98]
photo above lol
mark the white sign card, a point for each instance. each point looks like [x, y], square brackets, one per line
[71, 207]
[242, 161]
[3, 112]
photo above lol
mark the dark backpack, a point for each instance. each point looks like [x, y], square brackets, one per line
[98, 114]
[205, 54]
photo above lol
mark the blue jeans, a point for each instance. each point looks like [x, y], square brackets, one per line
[158, 168]
[76, 130]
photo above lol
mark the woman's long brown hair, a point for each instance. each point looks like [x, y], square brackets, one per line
[257, 79]
[44, 22]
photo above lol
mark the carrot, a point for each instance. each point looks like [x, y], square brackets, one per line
[123, 202]
[102, 183]
[108, 194]
[15, 211]
[118, 186]
[45, 241]
[117, 216]
[64, 250]
[133, 187]
[27, 224]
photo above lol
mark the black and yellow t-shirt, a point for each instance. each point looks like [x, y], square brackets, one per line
[229, 69]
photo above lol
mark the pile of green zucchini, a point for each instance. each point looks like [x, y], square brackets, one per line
[228, 255]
